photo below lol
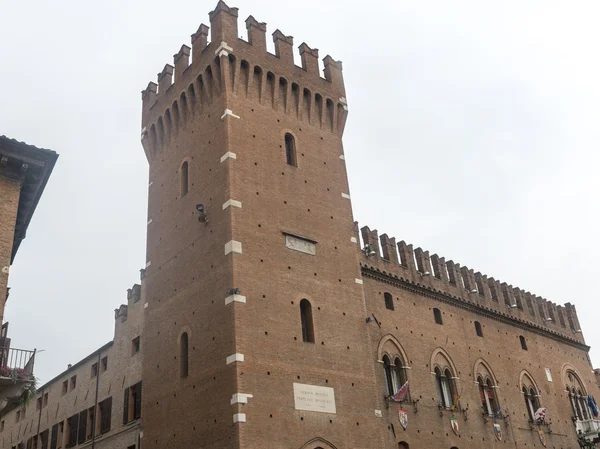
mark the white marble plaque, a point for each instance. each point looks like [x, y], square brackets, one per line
[300, 244]
[313, 398]
[548, 375]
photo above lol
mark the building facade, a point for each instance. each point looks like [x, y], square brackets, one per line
[266, 317]
[279, 324]
[95, 403]
[24, 172]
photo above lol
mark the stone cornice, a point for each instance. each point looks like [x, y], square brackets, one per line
[419, 289]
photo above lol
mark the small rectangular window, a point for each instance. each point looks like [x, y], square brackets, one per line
[104, 364]
[45, 403]
[38, 405]
[135, 345]
[65, 387]
[18, 417]
[73, 382]
[94, 370]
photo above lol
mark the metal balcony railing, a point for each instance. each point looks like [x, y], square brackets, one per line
[16, 362]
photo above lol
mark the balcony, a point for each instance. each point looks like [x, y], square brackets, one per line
[588, 427]
[16, 375]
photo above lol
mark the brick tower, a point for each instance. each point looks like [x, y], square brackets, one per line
[252, 263]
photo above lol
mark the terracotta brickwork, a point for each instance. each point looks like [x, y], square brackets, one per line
[111, 370]
[9, 192]
[411, 331]
[257, 279]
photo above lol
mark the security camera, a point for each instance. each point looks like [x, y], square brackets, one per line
[201, 213]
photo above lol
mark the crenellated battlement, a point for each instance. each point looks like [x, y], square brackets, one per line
[416, 266]
[209, 72]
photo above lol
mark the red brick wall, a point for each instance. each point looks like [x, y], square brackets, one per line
[245, 107]
[9, 192]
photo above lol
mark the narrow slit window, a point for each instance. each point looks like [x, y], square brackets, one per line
[389, 301]
[308, 332]
[184, 355]
[437, 316]
[290, 150]
[478, 329]
[184, 179]
[523, 343]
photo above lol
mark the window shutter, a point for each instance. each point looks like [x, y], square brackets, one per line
[126, 406]
[138, 401]
[106, 415]
[82, 427]
[54, 437]
[73, 424]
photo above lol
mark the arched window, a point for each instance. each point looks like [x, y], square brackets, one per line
[437, 315]
[184, 353]
[530, 395]
[487, 394]
[389, 301]
[184, 179]
[523, 342]
[389, 380]
[531, 401]
[445, 379]
[573, 400]
[395, 368]
[308, 332]
[399, 372]
[487, 389]
[577, 397]
[478, 329]
[290, 150]
[445, 387]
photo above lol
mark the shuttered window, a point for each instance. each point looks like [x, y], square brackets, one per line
[72, 424]
[126, 406]
[44, 439]
[105, 410]
[82, 427]
[53, 437]
[132, 403]
[137, 410]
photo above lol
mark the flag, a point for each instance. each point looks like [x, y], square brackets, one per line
[593, 406]
[540, 414]
[402, 393]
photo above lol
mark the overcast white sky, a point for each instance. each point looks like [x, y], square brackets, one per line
[473, 132]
